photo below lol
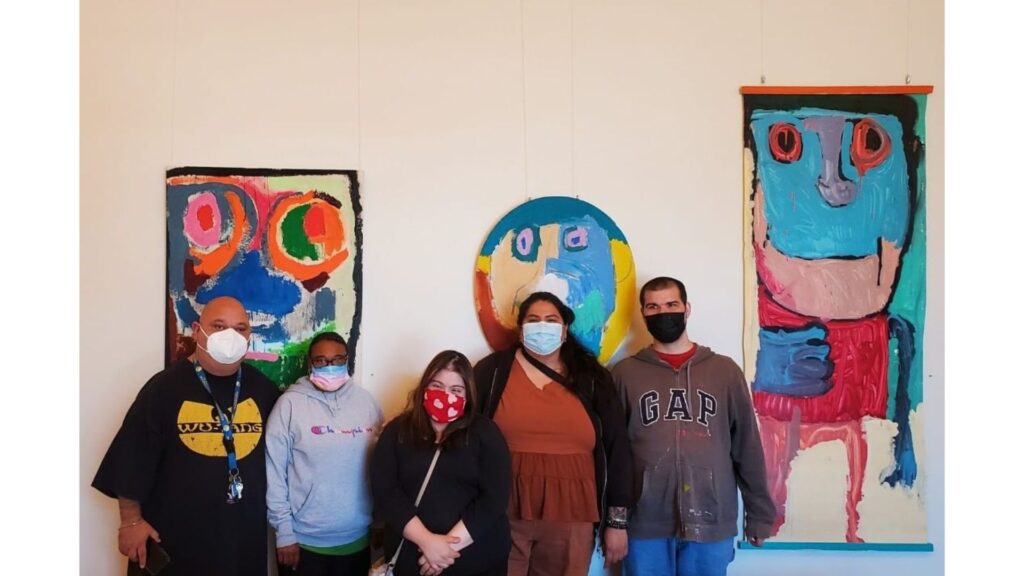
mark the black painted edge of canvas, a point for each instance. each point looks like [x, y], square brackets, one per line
[216, 171]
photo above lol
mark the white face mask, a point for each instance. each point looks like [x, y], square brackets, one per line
[225, 346]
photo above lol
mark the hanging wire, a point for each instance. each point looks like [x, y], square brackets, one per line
[359, 87]
[763, 77]
[907, 78]
[174, 87]
[522, 69]
[572, 98]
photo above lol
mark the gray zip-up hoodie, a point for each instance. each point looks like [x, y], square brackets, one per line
[318, 446]
[695, 439]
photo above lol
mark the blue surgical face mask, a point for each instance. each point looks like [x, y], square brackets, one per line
[542, 338]
[329, 378]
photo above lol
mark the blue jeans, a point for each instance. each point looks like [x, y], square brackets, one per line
[665, 557]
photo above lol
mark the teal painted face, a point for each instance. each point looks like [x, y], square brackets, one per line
[835, 183]
[832, 204]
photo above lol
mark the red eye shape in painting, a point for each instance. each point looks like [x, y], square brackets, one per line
[870, 146]
[785, 142]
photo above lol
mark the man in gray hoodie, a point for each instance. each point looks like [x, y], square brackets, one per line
[695, 440]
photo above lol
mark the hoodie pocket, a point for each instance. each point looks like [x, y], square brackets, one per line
[698, 496]
[657, 495]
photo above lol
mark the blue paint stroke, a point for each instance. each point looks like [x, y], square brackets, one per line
[590, 276]
[185, 311]
[254, 286]
[905, 470]
[793, 362]
[325, 304]
[585, 301]
[801, 223]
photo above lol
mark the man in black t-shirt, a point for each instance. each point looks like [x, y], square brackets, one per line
[170, 464]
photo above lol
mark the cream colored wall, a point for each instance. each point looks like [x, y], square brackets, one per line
[633, 106]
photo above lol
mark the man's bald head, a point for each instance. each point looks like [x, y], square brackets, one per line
[223, 306]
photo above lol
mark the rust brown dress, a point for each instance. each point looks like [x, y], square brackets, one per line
[553, 504]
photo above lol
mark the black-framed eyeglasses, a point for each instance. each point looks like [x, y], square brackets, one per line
[322, 361]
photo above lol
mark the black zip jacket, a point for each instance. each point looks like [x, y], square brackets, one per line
[613, 457]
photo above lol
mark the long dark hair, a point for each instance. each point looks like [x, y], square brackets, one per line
[415, 427]
[583, 371]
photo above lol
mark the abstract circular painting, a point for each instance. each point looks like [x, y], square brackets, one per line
[564, 246]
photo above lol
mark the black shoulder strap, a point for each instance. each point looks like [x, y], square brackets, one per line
[546, 370]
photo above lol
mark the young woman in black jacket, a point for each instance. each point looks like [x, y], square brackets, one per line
[460, 525]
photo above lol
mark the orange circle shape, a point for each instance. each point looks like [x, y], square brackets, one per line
[331, 239]
[212, 262]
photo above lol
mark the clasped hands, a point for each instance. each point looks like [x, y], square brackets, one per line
[437, 552]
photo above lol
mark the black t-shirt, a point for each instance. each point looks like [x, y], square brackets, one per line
[169, 456]
[470, 483]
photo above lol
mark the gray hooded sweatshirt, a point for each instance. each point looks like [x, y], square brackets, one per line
[318, 445]
[695, 440]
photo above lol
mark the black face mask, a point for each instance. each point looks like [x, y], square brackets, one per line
[666, 327]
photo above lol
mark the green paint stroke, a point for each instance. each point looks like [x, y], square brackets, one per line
[590, 316]
[293, 235]
[291, 361]
[909, 297]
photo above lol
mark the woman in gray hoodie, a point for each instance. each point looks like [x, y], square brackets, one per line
[319, 436]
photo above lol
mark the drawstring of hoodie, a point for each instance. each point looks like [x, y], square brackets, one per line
[332, 402]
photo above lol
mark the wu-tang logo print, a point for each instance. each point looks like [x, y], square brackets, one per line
[200, 431]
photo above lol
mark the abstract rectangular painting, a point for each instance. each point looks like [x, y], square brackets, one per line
[286, 243]
[834, 182]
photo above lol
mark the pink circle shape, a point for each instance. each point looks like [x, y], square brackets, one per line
[208, 235]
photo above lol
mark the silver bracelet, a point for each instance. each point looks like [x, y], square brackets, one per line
[618, 517]
[132, 523]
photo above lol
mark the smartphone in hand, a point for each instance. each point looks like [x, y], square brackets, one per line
[156, 560]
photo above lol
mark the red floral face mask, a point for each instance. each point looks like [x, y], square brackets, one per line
[443, 407]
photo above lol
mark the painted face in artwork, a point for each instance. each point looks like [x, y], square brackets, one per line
[563, 246]
[839, 295]
[280, 243]
[831, 209]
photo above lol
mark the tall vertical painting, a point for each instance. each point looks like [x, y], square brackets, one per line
[834, 181]
[286, 243]
[564, 246]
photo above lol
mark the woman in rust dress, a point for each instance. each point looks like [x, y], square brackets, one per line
[571, 460]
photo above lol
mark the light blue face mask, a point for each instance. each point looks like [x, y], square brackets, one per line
[542, 338]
